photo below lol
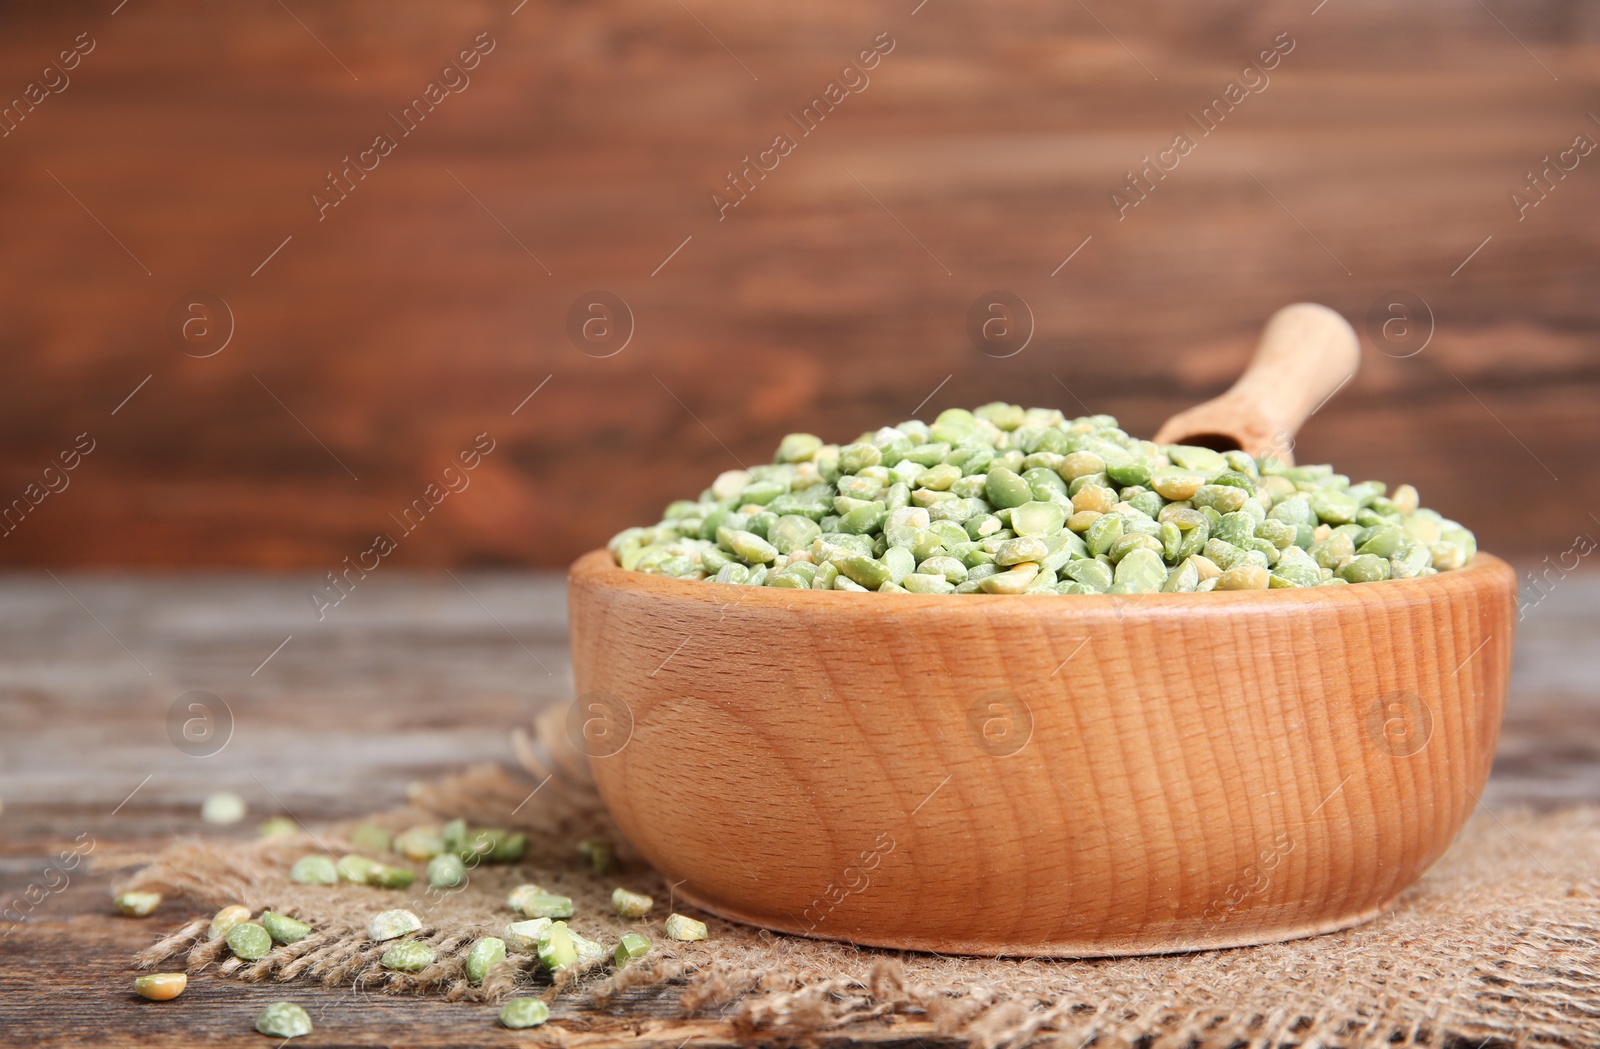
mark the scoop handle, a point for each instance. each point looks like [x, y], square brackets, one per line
[1306, 353]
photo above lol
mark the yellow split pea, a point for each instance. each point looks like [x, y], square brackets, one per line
[160, 987]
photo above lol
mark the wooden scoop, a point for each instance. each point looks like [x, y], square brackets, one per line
[1307, 352]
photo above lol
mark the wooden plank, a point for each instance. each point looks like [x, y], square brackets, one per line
[88, 1000]
[412, 316]
[411, 677]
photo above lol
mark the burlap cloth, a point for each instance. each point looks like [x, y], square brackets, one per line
[1500, 942]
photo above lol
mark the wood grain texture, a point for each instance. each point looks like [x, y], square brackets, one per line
[414, 315]
[1041, 776]
[411, 679]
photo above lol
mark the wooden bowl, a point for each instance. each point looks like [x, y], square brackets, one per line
[1054, 776]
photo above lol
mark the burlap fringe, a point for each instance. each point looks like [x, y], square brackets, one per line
[1498, 943]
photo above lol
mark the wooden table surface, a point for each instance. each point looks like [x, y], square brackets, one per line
[413, 676]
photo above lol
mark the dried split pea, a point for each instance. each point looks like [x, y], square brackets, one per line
[524, 935]
[249, 942]
[630, 904]
[1243, 577]
[601, 854]
[518, 898]
[369, 837]
[314, 870]
[137, 904]
[160, 987]
[223, 807]
[631, 948]
[355, 869]
[409, 956]
[867, 515]
[682, 927]
[484, 955]
[556, 949]
[446, 871]
[283, 1020]
[418, 843]
[224, 920]
[390, 925]
[548, 905]
[384, 876]
[524, 1012]
[284, 929]
[277, 827]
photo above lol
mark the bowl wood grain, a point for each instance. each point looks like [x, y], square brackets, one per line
[1053, 776]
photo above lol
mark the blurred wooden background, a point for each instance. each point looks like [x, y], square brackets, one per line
[185, 147]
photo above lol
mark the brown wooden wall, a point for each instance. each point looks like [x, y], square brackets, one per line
[583, 149]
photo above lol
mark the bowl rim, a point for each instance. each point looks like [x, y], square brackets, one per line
[599, 568]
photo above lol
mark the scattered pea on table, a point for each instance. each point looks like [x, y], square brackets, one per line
[137, 904]
[223, 807]
[283, 1020]
[160, 987]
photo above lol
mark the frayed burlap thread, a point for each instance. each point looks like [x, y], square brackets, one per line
[1500, 942]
